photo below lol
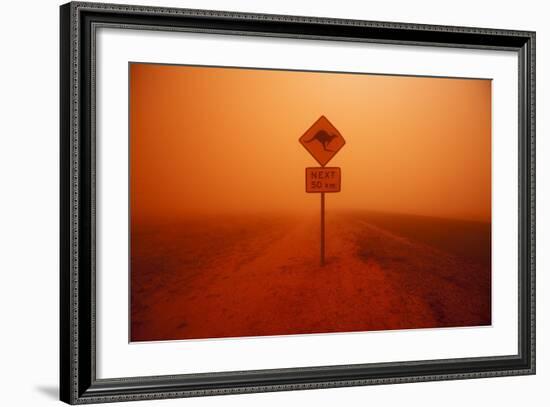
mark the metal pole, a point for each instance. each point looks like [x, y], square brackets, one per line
[322, 228]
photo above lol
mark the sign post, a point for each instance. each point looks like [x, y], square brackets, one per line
[322, 141]
[322, 228]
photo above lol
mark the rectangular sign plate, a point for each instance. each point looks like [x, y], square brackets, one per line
[323, 179]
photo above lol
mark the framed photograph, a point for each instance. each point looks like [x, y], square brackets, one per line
[255, 203]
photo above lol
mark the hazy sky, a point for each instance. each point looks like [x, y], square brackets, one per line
[226, 140]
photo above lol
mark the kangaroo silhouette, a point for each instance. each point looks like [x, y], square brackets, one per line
[324, 138]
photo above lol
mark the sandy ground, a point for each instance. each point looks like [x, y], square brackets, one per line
[253, 276]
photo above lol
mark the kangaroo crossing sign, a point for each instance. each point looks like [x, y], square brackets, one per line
[322, 141]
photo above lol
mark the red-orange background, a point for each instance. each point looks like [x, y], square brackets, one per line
[225, 140]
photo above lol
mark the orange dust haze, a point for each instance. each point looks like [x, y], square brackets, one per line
[225, 140]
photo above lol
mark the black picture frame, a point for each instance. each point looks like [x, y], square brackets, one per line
[78, 382]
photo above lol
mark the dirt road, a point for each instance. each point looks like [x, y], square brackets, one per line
[261, 276]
